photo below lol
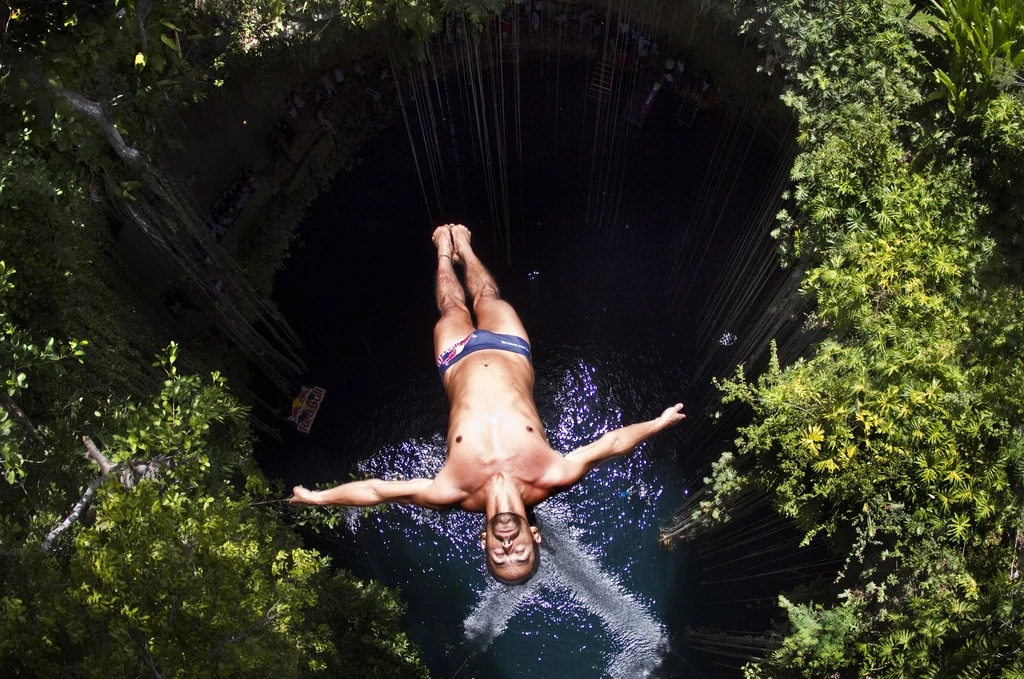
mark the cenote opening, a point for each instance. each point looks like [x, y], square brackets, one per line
[632, 240]
[211, 210]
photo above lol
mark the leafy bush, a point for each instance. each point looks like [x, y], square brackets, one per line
[901, 435]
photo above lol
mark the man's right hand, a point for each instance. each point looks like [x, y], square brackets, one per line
[301, 496]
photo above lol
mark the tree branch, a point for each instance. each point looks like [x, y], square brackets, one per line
[19, 416]
[129, 477]
[141, 11]
[106, 468]
[152, 664]
[95, 111]
[76, 512]
[129, 474]
[93, 453]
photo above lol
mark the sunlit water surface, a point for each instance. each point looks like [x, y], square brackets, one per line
[597, 606]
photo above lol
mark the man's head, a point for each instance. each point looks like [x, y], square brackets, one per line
[512, 547]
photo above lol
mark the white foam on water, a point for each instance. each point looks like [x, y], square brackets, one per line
[568, 567]
[497, 605]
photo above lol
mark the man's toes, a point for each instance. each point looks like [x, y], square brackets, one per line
[460, 237]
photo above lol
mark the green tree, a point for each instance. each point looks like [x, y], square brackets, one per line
[167, 564]
[977, 52]
[900, 436]
[153, 552]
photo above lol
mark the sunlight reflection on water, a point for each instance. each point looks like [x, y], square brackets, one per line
[599, 527]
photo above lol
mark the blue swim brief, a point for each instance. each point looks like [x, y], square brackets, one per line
[477, 340]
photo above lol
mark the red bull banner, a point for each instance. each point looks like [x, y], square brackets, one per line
[305, 407]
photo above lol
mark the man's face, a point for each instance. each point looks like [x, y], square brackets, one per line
[508, 541]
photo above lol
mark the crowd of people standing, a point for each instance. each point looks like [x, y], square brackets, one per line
[366, 78]
[630, 44]
[308, 112]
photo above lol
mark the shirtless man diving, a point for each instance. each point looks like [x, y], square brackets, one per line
[499, 462]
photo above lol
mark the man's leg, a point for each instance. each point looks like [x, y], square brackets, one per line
[455, 323]
[492, 313]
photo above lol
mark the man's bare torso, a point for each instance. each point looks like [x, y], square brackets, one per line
[494, 428]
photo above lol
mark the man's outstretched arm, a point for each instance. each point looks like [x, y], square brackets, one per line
[619, 442]
[369, 492]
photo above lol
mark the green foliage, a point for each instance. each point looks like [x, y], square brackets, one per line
[71, 281]
[362, 621]
[724, 484]
[174, 424]
[979, 50]
[188, 584]
[999, 147]
[181, 572]
[900, 438]
[817, 642]
[18, 355]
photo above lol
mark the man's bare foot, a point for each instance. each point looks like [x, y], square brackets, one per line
[460, 239]
[443, 241]
[301, 496]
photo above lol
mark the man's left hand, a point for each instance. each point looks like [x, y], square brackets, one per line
[671, 416]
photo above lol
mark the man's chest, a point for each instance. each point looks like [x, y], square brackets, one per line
[483, 457]
[528, 461]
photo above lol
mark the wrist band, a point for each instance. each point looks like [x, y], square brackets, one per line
[448, 256]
